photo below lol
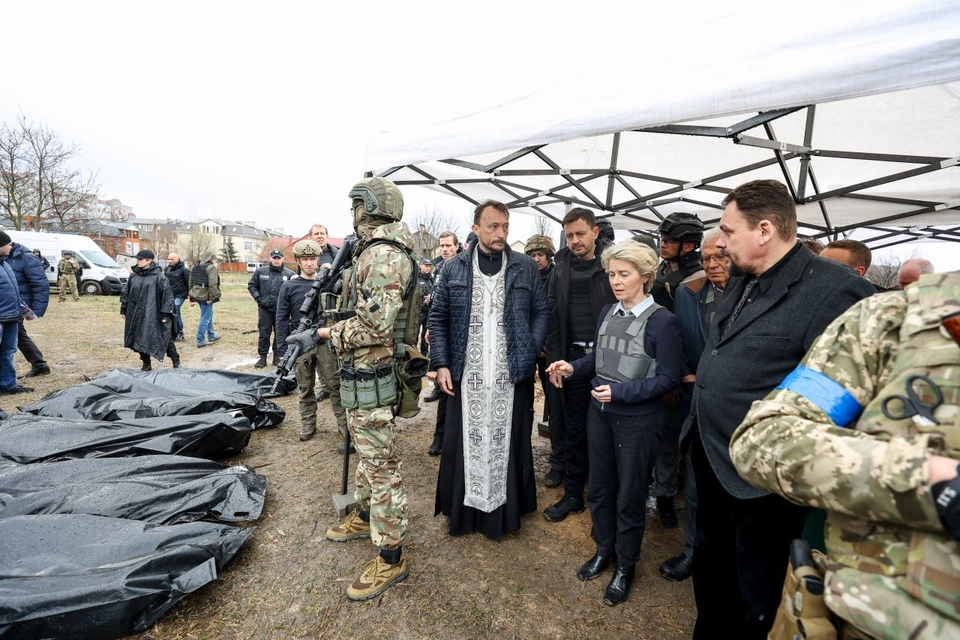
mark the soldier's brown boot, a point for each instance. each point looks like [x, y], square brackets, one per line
[307, 431]
[351, 528]
[377, 576]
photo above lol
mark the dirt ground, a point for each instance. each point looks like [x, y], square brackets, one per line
[288, 581]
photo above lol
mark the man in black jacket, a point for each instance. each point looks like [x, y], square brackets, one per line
[264, 286]
[179, 278]
[780, 299]
[579, 289]
[680, 236]
[146, 306]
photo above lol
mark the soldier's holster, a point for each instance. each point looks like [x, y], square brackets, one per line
[803, 613]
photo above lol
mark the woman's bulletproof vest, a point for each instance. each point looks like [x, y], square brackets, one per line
[619, 351]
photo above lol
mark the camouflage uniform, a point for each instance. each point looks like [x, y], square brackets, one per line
[364, 341]
[891, 570]
[67, 277]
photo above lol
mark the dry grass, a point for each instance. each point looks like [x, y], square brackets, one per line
[288, 581]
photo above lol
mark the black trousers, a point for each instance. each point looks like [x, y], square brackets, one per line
[28, 347]
[441, 415]
[740, 556]
[576, 400]
[266, 324]
[623, 450]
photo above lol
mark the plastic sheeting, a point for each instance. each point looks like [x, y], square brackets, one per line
[156, 489]
[27, 438]
[126, 394]
[83, 576]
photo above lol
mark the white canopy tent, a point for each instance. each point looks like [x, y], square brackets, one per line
[854, 105]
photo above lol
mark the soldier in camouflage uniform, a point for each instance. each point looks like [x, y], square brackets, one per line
[67, 271]
[890, 486]
[373, 289]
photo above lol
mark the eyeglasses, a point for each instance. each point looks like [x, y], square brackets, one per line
[720, 259]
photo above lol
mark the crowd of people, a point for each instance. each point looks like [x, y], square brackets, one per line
[734, 364]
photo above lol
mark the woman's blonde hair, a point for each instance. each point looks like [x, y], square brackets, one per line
[639, 255]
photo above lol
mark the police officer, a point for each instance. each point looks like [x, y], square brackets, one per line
[866, 428]
[67, 271]
[264, 287]
[373, 291]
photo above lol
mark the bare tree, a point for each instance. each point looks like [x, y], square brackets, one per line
[37, 181]
[544, 226]
[426, 227]
[16, 178]
[883, 271]
[69, 196]
[195, 246]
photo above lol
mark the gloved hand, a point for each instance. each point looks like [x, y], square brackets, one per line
[946, 495]
[306, 340]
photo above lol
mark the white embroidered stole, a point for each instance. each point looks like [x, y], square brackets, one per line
[487, 395]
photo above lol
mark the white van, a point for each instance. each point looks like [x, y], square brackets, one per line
[101, 274]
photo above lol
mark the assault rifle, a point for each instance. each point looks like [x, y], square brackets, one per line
[311, 314]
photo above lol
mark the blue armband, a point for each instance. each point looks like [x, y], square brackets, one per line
[827, 394]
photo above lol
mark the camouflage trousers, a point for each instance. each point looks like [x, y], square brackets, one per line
[379, 482]
[68, 284]
[324, 361]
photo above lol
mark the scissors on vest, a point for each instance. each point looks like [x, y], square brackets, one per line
[913, 407]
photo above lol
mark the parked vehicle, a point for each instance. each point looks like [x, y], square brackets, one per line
[101, 274]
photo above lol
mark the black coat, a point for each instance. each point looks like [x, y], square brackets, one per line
[766, 343]
[179, 278]
[145, 300]
[558, 296]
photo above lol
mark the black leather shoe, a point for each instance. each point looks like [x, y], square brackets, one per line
[322, 395]
[619, 586]
[37, 370]
[677, 568]
[434, 395]
[566, 506]
[436, 446]
[668, 513]
[595, 566]
[261, 363]
[340, 449]
[553, 479]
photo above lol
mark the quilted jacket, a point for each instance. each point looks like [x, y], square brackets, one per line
[526, 314]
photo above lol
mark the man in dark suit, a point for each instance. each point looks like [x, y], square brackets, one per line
[780, 299]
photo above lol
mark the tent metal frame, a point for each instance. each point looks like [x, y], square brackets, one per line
[594, 187]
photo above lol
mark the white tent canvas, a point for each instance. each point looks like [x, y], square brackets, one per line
[855, 106]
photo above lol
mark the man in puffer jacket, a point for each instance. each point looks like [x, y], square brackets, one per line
[10, 314]
[35, 293]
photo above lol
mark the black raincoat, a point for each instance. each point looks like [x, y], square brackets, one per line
[146, 300]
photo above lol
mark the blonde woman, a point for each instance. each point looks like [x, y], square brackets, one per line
[637, 360]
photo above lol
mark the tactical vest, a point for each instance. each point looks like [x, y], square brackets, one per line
[620, 353]
[406, 328]
[922, 562]
[925, 349]
[664, 292]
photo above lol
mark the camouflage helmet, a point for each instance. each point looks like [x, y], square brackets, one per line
[540, 243]
[682, 227]
[381, 199]
[307, 249]
[647, 240]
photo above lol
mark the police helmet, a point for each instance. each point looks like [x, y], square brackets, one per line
[682, 227]
[307, 249]
[540, 243]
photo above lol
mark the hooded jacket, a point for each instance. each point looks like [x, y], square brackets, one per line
[31, 279]
[145, 300]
